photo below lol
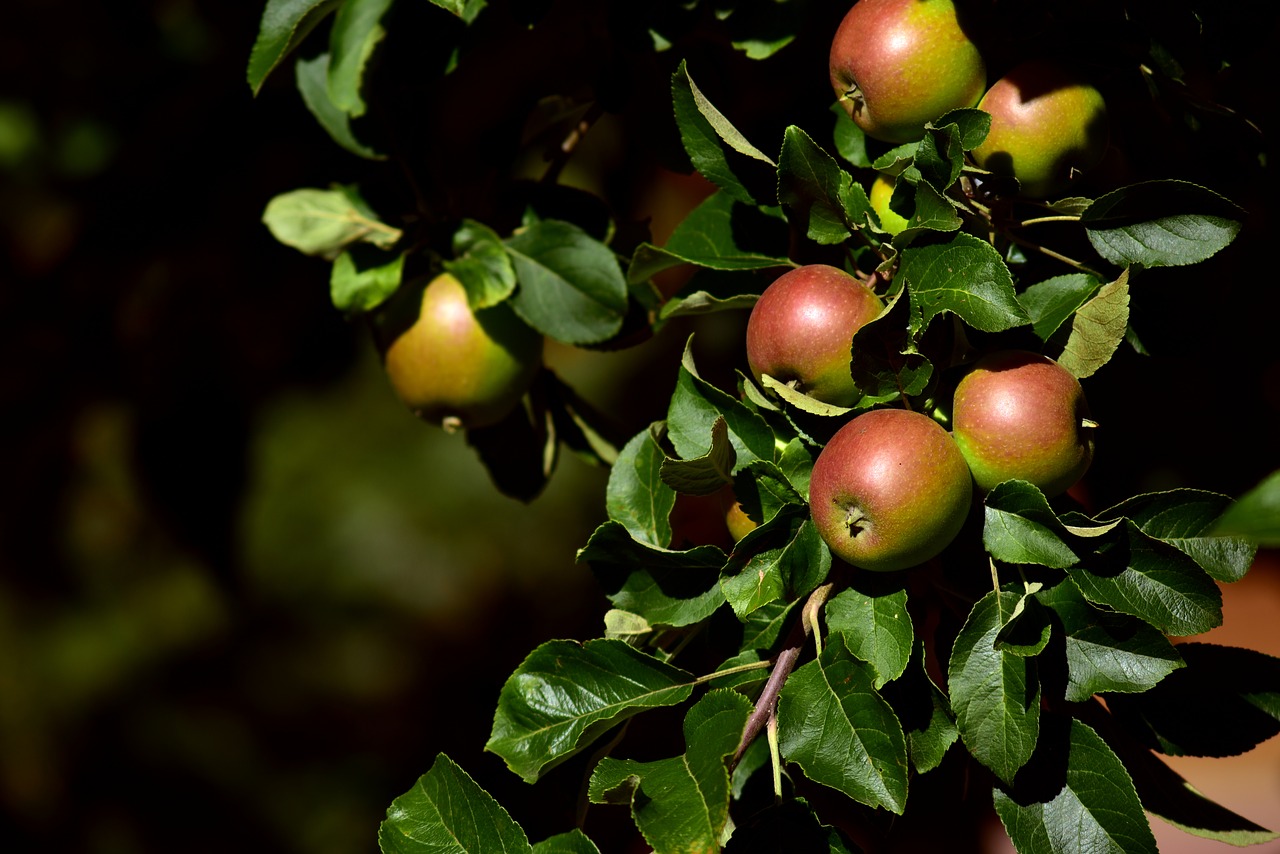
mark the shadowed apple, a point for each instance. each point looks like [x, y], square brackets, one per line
[458, 368]
[890, 490]
[1022, 415]
[1048, 126]
[801, 331]
[897, 64]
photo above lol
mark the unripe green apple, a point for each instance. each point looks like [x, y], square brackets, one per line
[1022, 415]
[890, 490]
[897, 64]
[458, 368]
[735, 517]
[801, 331]
[881, 193]
[1047, 127]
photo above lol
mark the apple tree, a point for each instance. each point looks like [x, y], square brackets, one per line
[777, 689]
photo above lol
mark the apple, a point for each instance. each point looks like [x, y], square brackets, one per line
[1021, 415]
[735, 517]
[890, 490]
[458, 368]
[1048, 126]
[897, 64]
[881, 193]
[800, 331]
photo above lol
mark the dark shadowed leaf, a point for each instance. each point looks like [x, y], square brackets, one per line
[1075, 795]
[447, 813]
[667, 588]
[1224, 702]
[716, 148]
[885, 362]
[681, 804]
[565, 695]
[850, 141]
[1185, 519]
[571, 287]
[791, 826]
[835, 726]
[925, 713]
[695, 406]
[1161, 224]
[820, 197]
[707, 474]
[1136, 574]
[1107, 651]
[721, 233]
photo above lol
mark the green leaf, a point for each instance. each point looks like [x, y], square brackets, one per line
[925, 713]
[696, 404]
[1224, 702]
[1185, 519]
[1168, 795]
[850, 141]
[447, 813]
[835, 726]
[636, 497]
[788, 825]
[1097, 329]
[1051, 302]
[285, 23]
[324, 222]
[312, 77]
[667, 588]
[721, 233]
[940, 156]
[799, 400]
[1160, 224]
[571, 842]
[1106, 651]
[356, 32]
[972, 126]
[566, 695]
[763, 627]
[876, 628]
[701, 302]
[1135, 574]
[929, 210]
[819, 196]
[964, 276]
[681, 804]
[995, 694]
[467, 10]
[482, 265]
[769, 487]
[707, 474]
[1256, 516]
[705, 132]
[571, 287]
[363, 278]
[789, 571]
[1019, 527]
[885, 363]
[896, 159]
[626, 626]
[1027, 630]
[1082, 800]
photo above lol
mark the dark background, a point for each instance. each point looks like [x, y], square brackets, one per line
[245, 598]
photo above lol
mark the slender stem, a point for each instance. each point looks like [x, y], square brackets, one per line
[1057, 256]
[775, 756]
[570, 143]
[1039, 219]
[730, 671]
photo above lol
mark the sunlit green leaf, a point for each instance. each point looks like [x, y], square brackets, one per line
[565, 695]
[447, 813]
[964, 276]
[1097, 329]
[284, 24]
[1161, 223]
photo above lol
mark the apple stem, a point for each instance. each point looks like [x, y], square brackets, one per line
[1036, 220]
[775, 757]
[854, 516]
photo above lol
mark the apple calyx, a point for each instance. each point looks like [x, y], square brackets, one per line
[855, 520]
